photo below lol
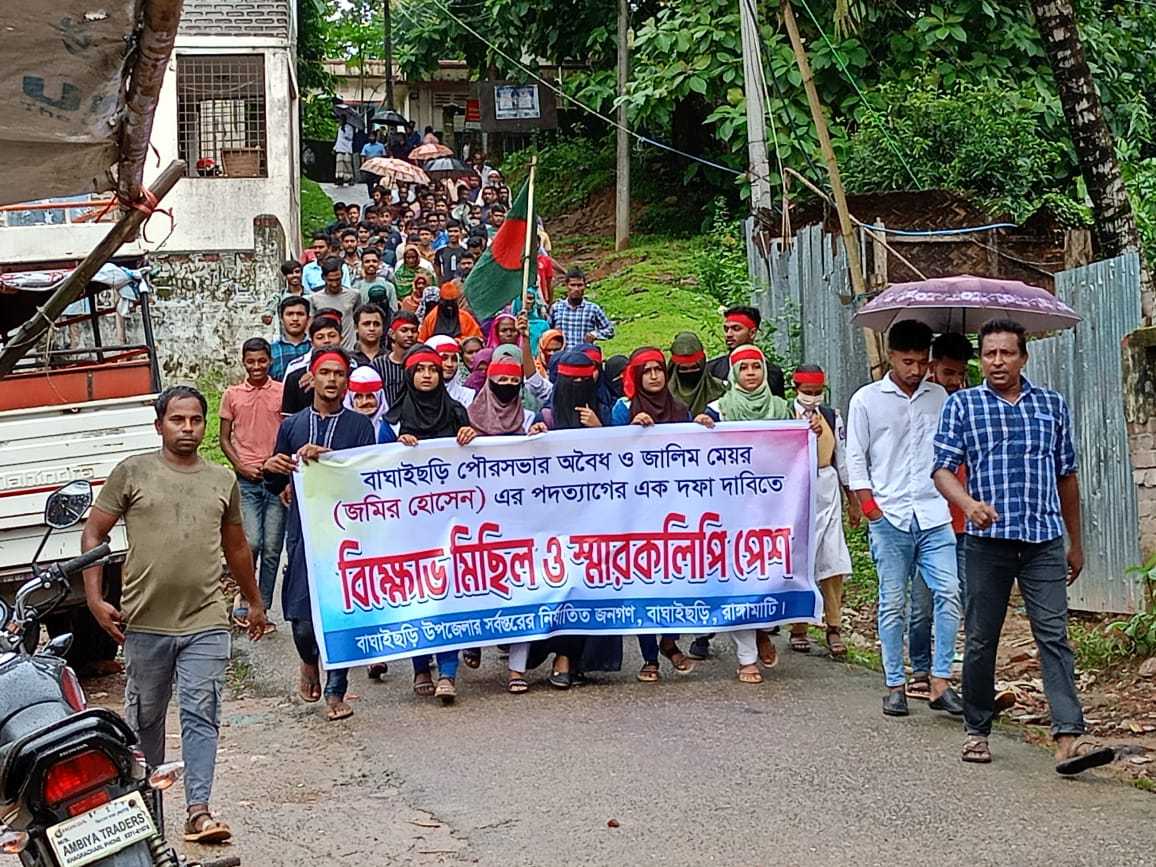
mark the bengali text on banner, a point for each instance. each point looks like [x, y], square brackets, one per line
[669, 529]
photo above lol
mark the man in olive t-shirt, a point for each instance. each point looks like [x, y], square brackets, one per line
[182, 515]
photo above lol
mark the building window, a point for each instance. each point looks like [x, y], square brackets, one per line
[221, 115]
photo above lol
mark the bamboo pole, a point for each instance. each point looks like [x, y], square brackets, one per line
[531, 236]
[72, 286]
[854, 257]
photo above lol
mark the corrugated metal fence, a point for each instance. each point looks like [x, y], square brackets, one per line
[803, 289]
[1084, 366]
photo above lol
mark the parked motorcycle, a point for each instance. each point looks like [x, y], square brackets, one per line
[73, 789]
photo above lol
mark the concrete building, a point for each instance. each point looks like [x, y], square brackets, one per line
[228, 107]
[422, 101]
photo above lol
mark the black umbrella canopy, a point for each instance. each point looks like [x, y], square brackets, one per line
[447, 167]
[388, 117]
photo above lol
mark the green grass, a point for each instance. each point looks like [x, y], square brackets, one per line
[211, 445]
[653, 294]
[316, 209]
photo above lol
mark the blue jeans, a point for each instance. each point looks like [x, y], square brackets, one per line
[263, 516]
[197, 663]
[919, 632]
[447, 664]
[336, 679]
[897, 555]
[648, 645]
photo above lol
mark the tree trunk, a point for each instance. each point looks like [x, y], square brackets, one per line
[1115, 226]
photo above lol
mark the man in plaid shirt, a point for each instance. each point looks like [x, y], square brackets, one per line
[579, 320]
[292, 344]
[1016, 440]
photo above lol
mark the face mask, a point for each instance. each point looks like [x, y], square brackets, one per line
[809, 401]
[505, 393]
[449, 308]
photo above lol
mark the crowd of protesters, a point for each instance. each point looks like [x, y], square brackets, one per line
[964, 490]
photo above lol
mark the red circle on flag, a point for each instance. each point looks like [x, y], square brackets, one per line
[509, 244]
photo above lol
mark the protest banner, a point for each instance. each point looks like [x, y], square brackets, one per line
[668, 529]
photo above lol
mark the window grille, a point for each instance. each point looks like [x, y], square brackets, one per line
[221, 115]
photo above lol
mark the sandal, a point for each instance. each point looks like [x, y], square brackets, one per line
[446, 690]
[472, 657]
[202, 828]
[338, 710]
[976, 751]
[681, 662]
[768, 653]
[1086, 754]
[377, 671]
[746, 676]
[835, 642]
[423, 685]
[270, 628]
[240, 618]
[561, 680]
[309, 686]
[800, 643]
[649, 673]
[517, 685]
[919, 687]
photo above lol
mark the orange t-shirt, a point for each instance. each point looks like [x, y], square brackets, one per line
[470, 327]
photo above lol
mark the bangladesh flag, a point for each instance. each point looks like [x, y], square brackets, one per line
[496, 279]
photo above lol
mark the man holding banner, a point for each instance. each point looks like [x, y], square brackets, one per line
[303, 438]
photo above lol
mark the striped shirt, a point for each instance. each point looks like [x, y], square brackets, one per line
[284, 354]
[392, 377]
[1014, 454]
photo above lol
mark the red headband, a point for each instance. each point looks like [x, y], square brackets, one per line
[425, 355]
[693, 358]
[594, 354]
[575, 370]
[399, 323]
[503, 368]
[810, 378]
[743, 320]
[362, 387]
[330, 355]
[747, 353]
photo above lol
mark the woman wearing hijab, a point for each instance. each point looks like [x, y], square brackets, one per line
[497, 408]
[612, 370]
[503, 331]
[689, 380]
[452, 371]
[606, 395]
[403, 277]
[575, 398]
[470, 348]
[749, 398]
[648, 401]
[426, 411]
[448, 318]
[366, 394]
[550, 343]
[477, 376]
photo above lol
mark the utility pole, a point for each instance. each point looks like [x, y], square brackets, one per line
[388, 56]
[760, 170]
[850, 239]
[622, 187]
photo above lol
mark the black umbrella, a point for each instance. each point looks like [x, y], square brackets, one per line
[447, 167]
[388, 117]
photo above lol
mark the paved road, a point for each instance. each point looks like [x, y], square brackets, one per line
[696, 770]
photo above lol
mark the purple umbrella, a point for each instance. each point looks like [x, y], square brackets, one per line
[964, 303]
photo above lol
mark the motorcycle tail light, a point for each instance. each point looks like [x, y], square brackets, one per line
[88, 802]
[73, 693]
[77, 775]
[13, 842]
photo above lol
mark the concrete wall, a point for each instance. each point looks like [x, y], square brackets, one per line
[207, 303]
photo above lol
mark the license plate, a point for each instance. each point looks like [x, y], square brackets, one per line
[101, 832]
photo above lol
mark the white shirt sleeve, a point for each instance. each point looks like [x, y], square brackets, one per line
[540, 387]
[858, 442]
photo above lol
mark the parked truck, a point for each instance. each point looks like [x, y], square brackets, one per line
[74, 413]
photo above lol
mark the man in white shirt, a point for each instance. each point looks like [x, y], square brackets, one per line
[891, 425]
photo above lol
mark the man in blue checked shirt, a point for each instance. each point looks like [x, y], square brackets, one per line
[1016, 440]
[579, 320]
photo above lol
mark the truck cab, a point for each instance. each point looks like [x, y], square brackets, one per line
[76, 405]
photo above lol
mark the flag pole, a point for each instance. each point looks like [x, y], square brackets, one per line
[531, 237]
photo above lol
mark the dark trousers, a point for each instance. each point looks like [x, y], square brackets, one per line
[336, 679]
[1041, 569]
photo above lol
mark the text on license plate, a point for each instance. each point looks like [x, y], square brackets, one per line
[101, 832]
